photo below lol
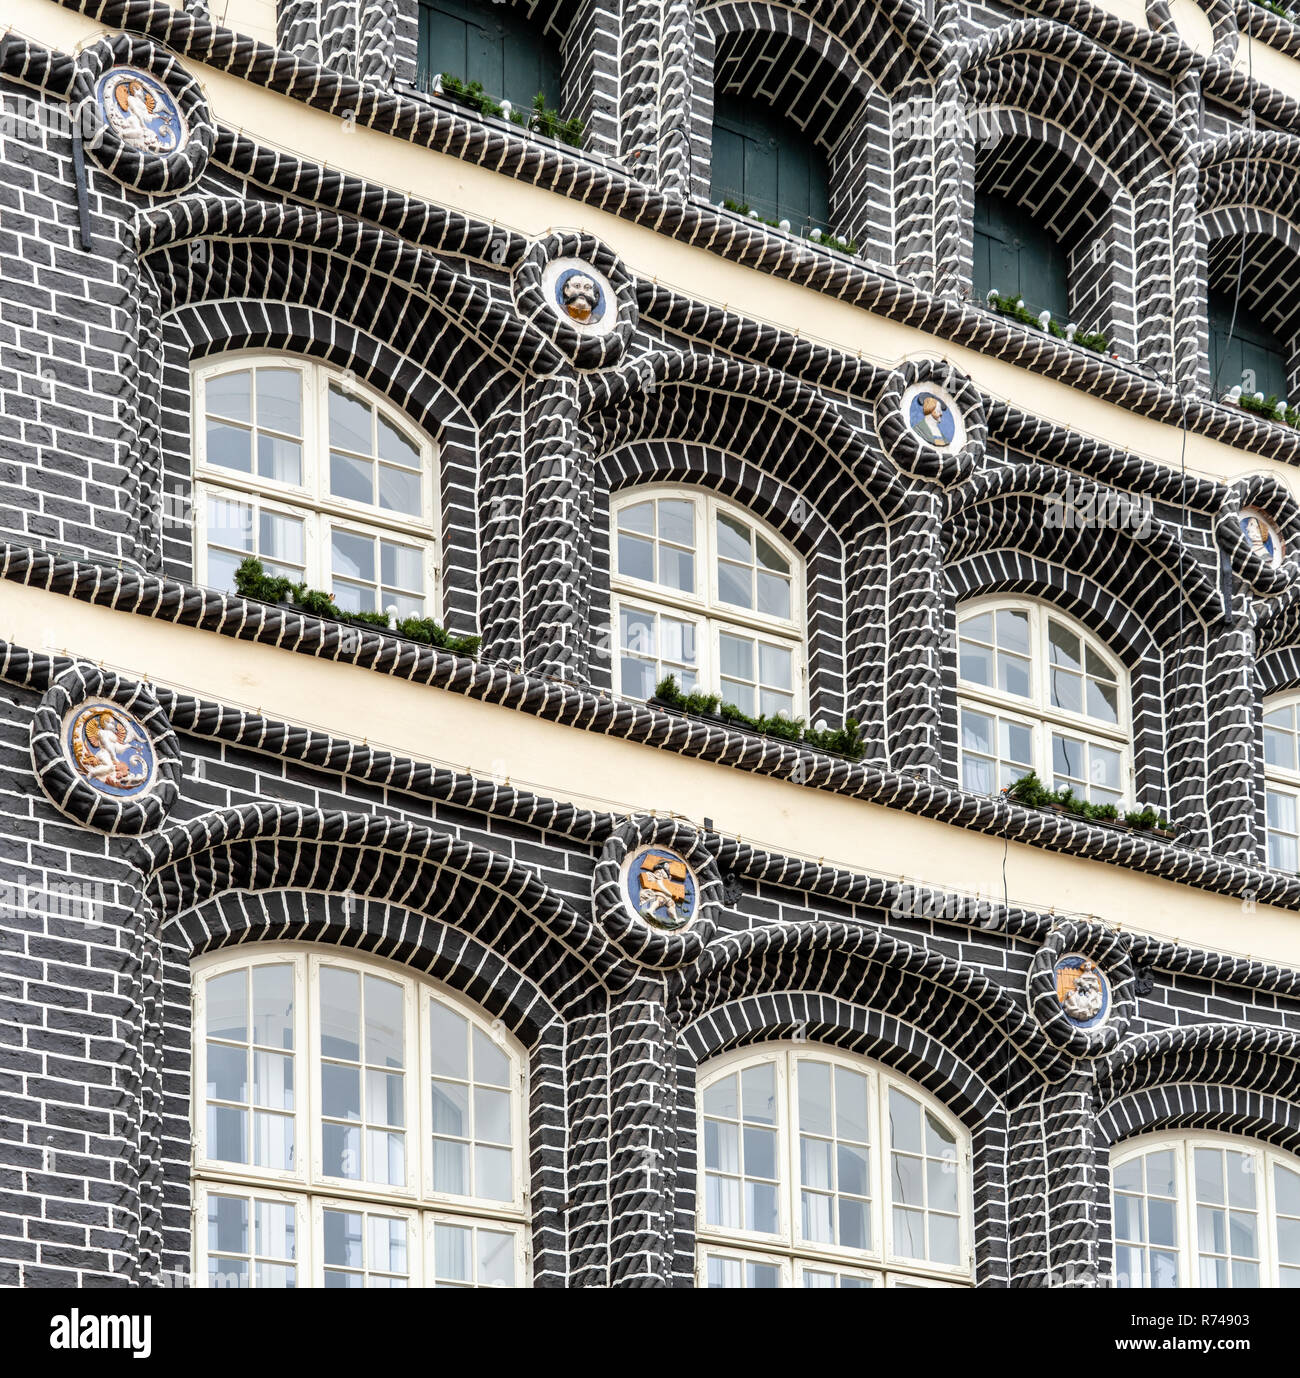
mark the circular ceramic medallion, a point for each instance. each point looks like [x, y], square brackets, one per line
[933, 417]
[1262, 537]
[581, 294]
[660, 887]
[140, 110]
[1082, 990]
[109, 749]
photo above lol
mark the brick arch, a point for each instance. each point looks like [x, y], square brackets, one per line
[1057, 516]
[786, 425]
[1260, 247]
[796, 518]
[911, 1051]
[1038, 64]
[481, 894]
[1246, 1057]
[1125, 632]
[201, 330]
[974, 1018]
[1201, 1105]
[885, 44]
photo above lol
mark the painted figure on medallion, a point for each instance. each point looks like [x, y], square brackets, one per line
[932, 420]
[1082, 990]
[110, 750]
[581, 297]
[1262, 539]
[140, 111]
[661, 888]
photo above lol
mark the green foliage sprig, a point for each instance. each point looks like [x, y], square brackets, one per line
[1274, 8]
[1267, 407]
[1030, 791]
[1012, 307]
[252, 581]
[846, 740]
[845, 246]
[542, 118]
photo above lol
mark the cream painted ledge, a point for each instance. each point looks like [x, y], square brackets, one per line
[279, 121]
[595, 771]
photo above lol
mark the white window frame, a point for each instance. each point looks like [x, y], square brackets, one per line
[1037, 712]
[1280, 779]
[312, 499]
[1185, 1210]
[703, 607]
[785, 1247]
[306, 1183]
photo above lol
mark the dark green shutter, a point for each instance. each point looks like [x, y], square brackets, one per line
[768, 164]
[1250, 348]
[489, 44]
[1018, 258]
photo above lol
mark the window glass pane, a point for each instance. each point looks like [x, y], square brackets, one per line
[351, 479]
[399, 490]
[1286, 1188]
[394, 446]
[354, 556]
[282, 538]
[1013, 630]
[1279, 746]
[676, 569]
[639, 516]
[636, 558]
[230, 447]
[1103, 701]
[273, 1006]
[227, 1224]
[736, 656]
[400, 566]
[1209, 1176]
[279, 400]
[1067, 690]
[1013, 675]
[449, 1041]
[385, 1035]
[814, 1097]
[733, 538]
[1063, 646]
[340, 1013]
[230, 523]
[735, 584]
[773, 595]
[775, 666]
[768, 555]
[279, 460]
[227, 1072]
[349, 421]
[677, 522]
[226, 1004]
[758, 1091]
[975, 663]
[978, 627]
[230, 395]
[1281, 810]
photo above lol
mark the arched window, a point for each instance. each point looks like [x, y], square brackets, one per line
[769, 164]
[1017, 257]
[509, 57]
[1244, 352]
[1282, 781]
[312, 472]
[819, 1169]
[1205, 1210]
[1038, 692]
[705, 592]
[354, 1127]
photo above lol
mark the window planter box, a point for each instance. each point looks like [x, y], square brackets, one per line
[717, 720]
[1114, 824]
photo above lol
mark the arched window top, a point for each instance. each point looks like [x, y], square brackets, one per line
[1030, 651]
[501, 48]
[823, 1169]
[707, 592]
[364, 1124]
[1282, 781]
[1040, 692]
[317, 475]
[1205, 1210]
